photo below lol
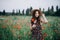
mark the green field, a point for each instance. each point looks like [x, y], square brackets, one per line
[18, 28]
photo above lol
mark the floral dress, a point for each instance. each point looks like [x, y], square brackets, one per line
[36, 31]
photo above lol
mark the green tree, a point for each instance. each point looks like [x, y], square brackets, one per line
[27, 11]
[49, 12]
[39, 8]
[23, 12]
[3, 12]
[57, 8]
[13, 12]
[57, 13]
[43, 10]
[52, 8]
[31, 9]
[19, 12]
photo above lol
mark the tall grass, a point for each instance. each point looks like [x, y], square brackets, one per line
[18, 28]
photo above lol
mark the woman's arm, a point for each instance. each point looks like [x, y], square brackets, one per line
[43, 19]
[32, 26]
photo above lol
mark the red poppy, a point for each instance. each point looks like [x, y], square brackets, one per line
[18, 27]
[13, 31]
[32, 20]
[14, 26]
[45, 34]
[43, 27]
[3, 26]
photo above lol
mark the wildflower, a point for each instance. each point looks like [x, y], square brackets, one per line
[24, 33]
[6, 21]
[49, 25]
[32, 20]
[14, 35]
[45, 34]
[56, 31]
[13, 31]
[19, 36]
[18, 27]
[14, 26]
[29, 33]
[43, 28]
[3, 26]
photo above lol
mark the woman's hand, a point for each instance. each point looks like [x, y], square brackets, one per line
[35, 21]
[43, 19]
[43, 14]
[33, 26]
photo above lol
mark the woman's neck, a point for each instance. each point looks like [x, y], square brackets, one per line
[37, 17]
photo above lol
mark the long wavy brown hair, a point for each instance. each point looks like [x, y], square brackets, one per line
[34, 17]
[34, 11]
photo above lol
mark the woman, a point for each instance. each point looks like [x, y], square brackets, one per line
[36, 22]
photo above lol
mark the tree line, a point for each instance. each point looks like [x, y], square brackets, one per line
[49, 12]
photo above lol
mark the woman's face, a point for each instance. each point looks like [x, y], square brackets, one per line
[36, 14]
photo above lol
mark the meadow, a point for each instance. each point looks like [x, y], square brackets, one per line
[18, 28]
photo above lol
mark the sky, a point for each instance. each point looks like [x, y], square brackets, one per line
[9, 5]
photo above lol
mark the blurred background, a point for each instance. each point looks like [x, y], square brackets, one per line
[15, 17]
